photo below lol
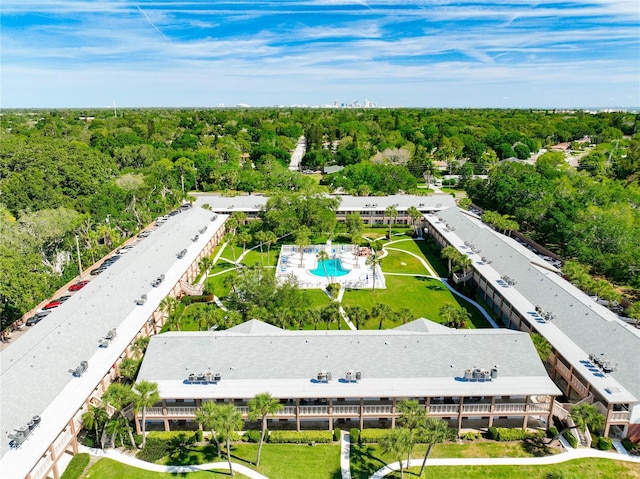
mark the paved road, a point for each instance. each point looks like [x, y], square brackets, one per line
[298, 153]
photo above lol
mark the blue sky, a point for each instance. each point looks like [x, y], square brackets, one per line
[431, 53]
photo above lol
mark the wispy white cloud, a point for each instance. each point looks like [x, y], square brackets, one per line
[322, 47]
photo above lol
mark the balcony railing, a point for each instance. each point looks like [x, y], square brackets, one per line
[476, 408]
[377, 410]
[620, 416]
[444, 409]
[314, 410]
[346, 409]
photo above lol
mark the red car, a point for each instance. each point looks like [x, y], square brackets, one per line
[78, 286]
[51, 305]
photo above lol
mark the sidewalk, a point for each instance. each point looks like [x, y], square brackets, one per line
[133, 462]
[569, 455]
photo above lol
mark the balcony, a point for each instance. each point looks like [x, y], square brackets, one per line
[377, 410]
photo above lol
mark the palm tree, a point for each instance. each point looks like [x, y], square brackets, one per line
[170, 306]
[140, 345]
[415, 215]
[331, 313]
[231, 239]
[405, 315]
[119, 396]
[322, 257]
[228, 420]
[356, 314]
[96, 418]
[313, 317]
[381, 311]
[260, 407]
[412, 416]
[206, 417]
[205, 265]
[303, 235]
[397, 443]
[584, 415]
[261, 237]
[375, 262]
[145, 395]
[391, 212]
[448, 313]
[465, 263]
[449, 253]
[270, 239]
[244, 238]
[433, 431]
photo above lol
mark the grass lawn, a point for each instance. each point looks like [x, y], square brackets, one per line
[577, 469]
[292, 461]
[317, 298]
[401, 262]
[110, 469]
[423, 296]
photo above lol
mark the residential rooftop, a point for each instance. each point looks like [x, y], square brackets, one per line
[418, 359]
[581, 326]
[34, 371]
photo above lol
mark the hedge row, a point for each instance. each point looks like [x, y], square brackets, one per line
[169, 435]
[368, 436]
[504, 434]
[205, 298]
[76, 467]
[252, 436]
[571, 439]
[302, 437]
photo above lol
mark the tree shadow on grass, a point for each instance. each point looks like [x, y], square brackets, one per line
[536, 447]
[363, 461]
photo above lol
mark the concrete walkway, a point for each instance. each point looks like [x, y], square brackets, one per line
[345, 455]
[480, 308]
[133, 462]
[569, 455]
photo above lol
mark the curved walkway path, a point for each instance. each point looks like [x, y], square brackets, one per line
[569, 455]
[445, 281]
[133, 462]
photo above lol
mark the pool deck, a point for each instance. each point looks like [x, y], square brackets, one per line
[360, 275]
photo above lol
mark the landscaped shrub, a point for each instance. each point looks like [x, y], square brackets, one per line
[334, 289]
[76, 466]
[470, 436]
[252, 435]
[155, 449]
[199, 435]
[187, 436]
[337, 433]
[368, 436]
[631, 446]
[604, 443]
[302, 437]
[354, 432]
[504, 434]
[553, 431]
[571, 439]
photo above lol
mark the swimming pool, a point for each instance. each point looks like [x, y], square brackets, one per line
[329, 267]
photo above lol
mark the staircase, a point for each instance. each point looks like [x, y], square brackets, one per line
[191, 289]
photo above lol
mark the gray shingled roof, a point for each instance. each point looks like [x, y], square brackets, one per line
[249, 203]
[591, 327]
[287, 360]
[34, 370]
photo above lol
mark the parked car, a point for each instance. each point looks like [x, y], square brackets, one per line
[62, 299]
[124, 249]
[78, 286]
[98, 270]
[51, 305]
[36, 318]
[144, 234]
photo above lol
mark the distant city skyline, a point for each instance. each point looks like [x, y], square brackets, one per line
[419, 53]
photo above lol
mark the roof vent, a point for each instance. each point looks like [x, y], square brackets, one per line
[79, 371]
[324, 376]
[181, 254]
